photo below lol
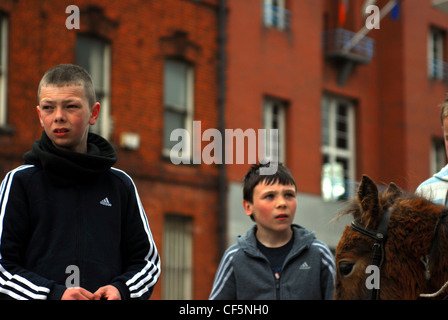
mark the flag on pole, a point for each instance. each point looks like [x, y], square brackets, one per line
[395, 13]
[342, 12]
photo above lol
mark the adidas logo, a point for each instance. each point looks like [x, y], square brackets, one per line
[105, 202]
[304, 266]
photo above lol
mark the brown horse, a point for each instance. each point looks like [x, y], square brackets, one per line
[415, 251]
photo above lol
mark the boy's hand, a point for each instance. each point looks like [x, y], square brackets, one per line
[77, 293]
[108, 292]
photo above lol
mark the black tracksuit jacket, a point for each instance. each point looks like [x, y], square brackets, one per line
[63, 209]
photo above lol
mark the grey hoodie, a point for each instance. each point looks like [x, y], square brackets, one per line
[245, 273]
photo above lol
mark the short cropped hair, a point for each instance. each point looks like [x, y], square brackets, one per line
[252, 178]
[66, 75]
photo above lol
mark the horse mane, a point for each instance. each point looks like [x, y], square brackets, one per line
[385, 198]
[390, 196]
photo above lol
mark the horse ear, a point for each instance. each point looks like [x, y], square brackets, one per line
[368, 201]
[392, 193]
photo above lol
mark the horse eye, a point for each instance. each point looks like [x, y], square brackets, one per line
[345, 268]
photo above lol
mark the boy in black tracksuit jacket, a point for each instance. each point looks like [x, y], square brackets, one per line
[71, 226]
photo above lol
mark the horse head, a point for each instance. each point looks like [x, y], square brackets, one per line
[404, 270]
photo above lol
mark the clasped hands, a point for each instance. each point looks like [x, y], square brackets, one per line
[108, 292]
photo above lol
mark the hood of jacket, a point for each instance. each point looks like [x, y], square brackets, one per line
[442, 174]
[303, 238]
[65, 168]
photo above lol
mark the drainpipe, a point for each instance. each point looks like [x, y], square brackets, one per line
[222, 193]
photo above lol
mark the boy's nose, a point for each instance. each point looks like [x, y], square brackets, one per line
[281, 202]
[59, 115]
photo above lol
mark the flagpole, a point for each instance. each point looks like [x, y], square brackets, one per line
[364, 31]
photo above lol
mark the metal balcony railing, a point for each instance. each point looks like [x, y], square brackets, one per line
[438, 69]
[275, 16]
[336, 44]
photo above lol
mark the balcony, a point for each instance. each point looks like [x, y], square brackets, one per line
[438, 69]
[345, 49]
[276, 16]
[337, 45]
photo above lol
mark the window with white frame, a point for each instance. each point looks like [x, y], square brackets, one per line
[338, 148]
[93, 54]
[274, 117]
[4, 26]
[437, 67]
[438, 155]
[177, 264]
[178, 103]
[275, 14]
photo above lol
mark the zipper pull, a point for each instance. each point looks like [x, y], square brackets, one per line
[277, 285]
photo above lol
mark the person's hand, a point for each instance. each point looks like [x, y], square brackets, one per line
[108, 292]
[77, 293]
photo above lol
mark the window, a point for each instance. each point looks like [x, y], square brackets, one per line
[437, 67]
[178, 102]
[177, 257]
[438, 155]
[93, 54]
[3, 70]
[275, 14]
[274, 118]
[338, 154]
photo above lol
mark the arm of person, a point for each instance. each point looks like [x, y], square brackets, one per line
[224, 286]
[141, 261]
[17, 282]
[328, 269]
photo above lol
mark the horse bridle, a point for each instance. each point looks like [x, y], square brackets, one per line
[380, 236]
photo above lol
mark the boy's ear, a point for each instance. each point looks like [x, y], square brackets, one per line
[248, 207]
[40, 118]
[95, 113]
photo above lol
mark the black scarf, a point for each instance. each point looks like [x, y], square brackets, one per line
[66, 168]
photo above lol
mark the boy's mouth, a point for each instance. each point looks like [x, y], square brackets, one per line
[281, 216]
[60, 132]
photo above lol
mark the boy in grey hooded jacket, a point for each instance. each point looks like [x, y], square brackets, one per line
[276, 259]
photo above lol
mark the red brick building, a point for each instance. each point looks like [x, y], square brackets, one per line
[154, 64]
[372, 109]
[157, 64]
